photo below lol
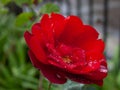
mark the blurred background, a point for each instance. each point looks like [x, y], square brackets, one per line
[16, 16]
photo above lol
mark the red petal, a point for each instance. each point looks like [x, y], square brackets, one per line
[37, 49]
[78, 55]
[34, 61]
[63, 49]
[47, 28]
[72, 29]
[87, 68]
[58, 22]
[98, 74]
[53, 74]
[34, 44]
[83, 79]
[45, 22]
[36, 29]
[94, 47]
[96, 52]
[27, 37]
[103, 61]
[89, 35]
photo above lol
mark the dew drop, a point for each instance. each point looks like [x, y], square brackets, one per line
[65, 66]
[90, 64]
[58, 75]
[103, 69]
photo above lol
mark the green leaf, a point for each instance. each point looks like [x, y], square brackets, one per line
[5, 72]
[23, 18]
[12, 60]
[2, 83]
[21, 2]
[48, 8]
[29, 85]
[21, 53]
[27, 78]
[118, 79]
[3, 10]
[45, 84]
[109, 83]
[5, 1]
[114, 62]
[3, 38]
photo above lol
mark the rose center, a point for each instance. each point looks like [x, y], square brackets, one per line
[66, 59]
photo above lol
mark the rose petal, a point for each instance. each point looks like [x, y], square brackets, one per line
[83, 79]
[63, 49]
[46, 22]
[37, 49]
[94, 47]
[33, 43]
[47, 28]
[98, 74]
[90, 32]
[87, 68]
[72, 29]
[53, 74]
[88, 36]
[36, 29]
[58, 22]
[27, 37]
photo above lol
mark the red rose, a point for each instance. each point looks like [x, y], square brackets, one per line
[64, 48]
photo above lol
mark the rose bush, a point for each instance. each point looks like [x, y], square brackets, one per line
[64, 48]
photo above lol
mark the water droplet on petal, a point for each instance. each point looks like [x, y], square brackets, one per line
[103, 69]
[65, 66]
[58, 75]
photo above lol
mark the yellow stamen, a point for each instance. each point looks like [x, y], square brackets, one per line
[67, 59]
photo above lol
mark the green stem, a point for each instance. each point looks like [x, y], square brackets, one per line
[40, 82]
[49, 87]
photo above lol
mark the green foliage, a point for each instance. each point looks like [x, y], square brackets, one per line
[23, 18]
[27, 2]
[53, 87]
[16, 70]
[118, 79]
[20, 2]
[48, 8]
[112, 82]
[4, 1]
[3, 10]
